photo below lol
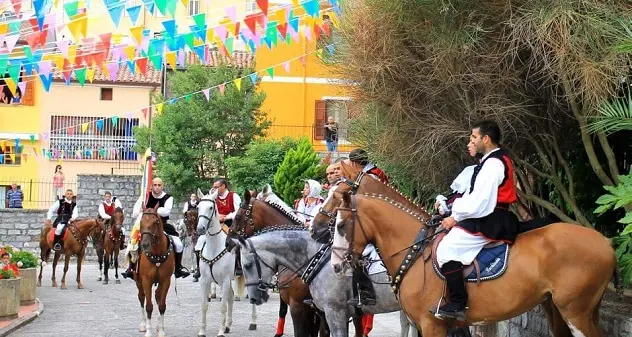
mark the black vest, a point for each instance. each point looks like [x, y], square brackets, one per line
[65, 208]
[152, 202]
[191, 206]
[496, 154]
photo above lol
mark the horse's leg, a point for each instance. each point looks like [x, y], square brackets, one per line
[206, 288]
[141, 298]
[149, 306]
[227, 295]
[253, 318]
[79, 263]
[116, 256]
[557, 326]
[431, 327]
[106, 264]
[100, 259]
[161, 299]
[358, 325]
[55, 260]
[338, 321]
[213, 289]
[229, 308]
[66, 266]
[44, 255]
[302, 316]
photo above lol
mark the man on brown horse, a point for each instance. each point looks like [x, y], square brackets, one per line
[192, 204]
[165, 203]
[66, 210]
[107, 209]
[227, 203]
[479, 217]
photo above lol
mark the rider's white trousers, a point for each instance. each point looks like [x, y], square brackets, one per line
[59, 228]
[459, 245]
[177, 243]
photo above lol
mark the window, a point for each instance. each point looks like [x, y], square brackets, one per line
[251, 6]
[10, 155]
[92, 138]
[106, 94]
[194, 7]
[340, 110]
[16, 97]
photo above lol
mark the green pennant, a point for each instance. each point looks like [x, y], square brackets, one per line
[32, 138]
[171, 7]
[81, 75]
[230, 44]
[71, 8]
[270, 72]
[114, 120]
[187, 97]
[189, 38]
[28, 53]
[288, 39]
[272, 35]
[199, 19]
[3, 64]
[162, 6]
[102, 152]
[14, 26]
[156, 60]
[14, 72]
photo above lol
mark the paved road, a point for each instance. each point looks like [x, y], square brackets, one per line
[113, 310]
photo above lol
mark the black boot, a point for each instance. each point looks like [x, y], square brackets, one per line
[196, 275]
[56, 243]
[455, 308]
[180, 271]
[363, 289]
[129, 273]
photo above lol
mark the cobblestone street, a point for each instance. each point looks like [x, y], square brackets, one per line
[113, 310]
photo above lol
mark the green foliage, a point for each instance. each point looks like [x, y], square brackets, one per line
[299, 164]
[614, 115]
[619, 197]
[257, 166]
[28, 259]
[193, 137]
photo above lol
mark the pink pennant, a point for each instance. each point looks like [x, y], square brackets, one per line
[145, 43]
[181, 55]
[221, 32]
[231, 12]
[308, 33]
[222, 87]
[45, 136]
[50, 19]
[130, 116]
[11, 40]
[22, 86]
[116, 54]
[286, 66]
[63, 47]
[207, 93]
[71, 130]
[295, 36]
[145, 111]
[44, 67]
[113, 70]
[302, 58]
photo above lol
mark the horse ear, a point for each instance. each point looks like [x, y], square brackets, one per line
[247, 196]
[156, 207]
[266, 189]
[346, 197]
[199, 193]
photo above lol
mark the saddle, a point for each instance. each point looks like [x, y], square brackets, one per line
[492, 260]
[64, 233]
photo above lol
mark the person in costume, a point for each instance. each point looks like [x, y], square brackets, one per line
[107, 208]
[65, 212]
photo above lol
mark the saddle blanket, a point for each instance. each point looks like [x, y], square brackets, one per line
[376, 266]
[64, 234]
[491, 261]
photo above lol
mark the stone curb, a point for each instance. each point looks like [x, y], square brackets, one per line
[22, 321]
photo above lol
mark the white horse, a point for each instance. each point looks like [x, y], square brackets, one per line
[217, 265]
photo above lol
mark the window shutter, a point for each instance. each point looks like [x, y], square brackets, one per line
[28, 98]
[320, 115]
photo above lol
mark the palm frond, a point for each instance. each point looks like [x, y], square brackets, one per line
[614, 115]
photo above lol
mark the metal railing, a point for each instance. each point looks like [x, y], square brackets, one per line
[38, 194]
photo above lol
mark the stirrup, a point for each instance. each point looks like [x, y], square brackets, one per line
[57, 247]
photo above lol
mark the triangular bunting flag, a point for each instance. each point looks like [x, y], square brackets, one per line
[90, 74]
[137, 34]
[46, 81]
[263, 5]
[199, 20]
[159, 108]
[114, 121]
[133, 13]
[170, 27]
[145, 110]
[207, 94]
[238, 83]
[270, 71]
[253, 78]
[71, 8]
[81, 75]
[222, 88]
[171, 59]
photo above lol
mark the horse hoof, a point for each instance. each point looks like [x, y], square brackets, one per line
[221, 335]
[79, 286]
[63, 286]
[100, 279]
[213, 296]
[142, 328]
[54, 284]
[39, 283]
[227, 330]
[162, 334]
[252, 326]
[105, 281]
[118, 282]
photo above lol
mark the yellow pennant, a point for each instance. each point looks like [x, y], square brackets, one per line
[281, 18]
[84, 127]
[130, 51]
[171, 59]
[185, 3]
[72, 53]
[159, 108]
[238, 83]
[90, 74]
[210, 35]
[12, 156]
[4, 27]
[12, 85]
[137, 34]
[59, 62]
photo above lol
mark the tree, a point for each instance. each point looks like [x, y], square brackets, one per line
[426, 70]
[257, 166]
[193, 137]
[299, 164]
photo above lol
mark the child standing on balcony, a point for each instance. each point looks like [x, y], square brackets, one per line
[58, 182]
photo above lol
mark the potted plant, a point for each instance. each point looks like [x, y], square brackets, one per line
[9, 288]
[27, 265]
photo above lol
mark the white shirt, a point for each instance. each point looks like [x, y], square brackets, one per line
[102, 213]
[52, 211]
[236, 203]
[186, 207]
[307, 211]
[162, 211]
[482, 201]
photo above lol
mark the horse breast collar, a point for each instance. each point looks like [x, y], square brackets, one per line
[160, 259]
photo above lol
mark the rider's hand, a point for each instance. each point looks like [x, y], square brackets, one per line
[222, 218]
[436, 205]
[48, 222]
[448, 223]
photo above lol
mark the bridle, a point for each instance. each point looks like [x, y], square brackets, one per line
[209, 219]
[155, 225]
[262, 287]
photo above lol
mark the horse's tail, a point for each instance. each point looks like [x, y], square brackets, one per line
[241, 286]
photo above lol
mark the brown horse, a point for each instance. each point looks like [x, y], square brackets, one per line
[190, 221]
[156, 264]
[97, 243]
[570, 264]
[75, 240]
[112, 244]
[255, 215]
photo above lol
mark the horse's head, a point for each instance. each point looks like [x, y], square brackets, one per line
[208, 220]
[151, 227]
[348, 242]
[259, 271]
[116, 221]
[191, 220]
[243, 222]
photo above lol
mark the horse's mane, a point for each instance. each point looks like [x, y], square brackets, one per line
[422, 217]
[277, 203]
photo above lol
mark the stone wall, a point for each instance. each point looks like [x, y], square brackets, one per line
[21, 227]
[534, 324]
